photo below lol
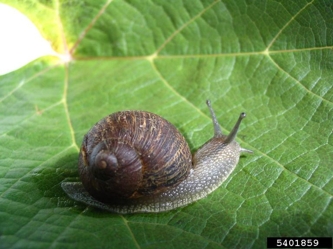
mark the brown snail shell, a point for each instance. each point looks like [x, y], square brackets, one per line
[131, 154]
[136, 161]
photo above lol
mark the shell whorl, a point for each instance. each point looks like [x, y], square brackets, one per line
[155, 146]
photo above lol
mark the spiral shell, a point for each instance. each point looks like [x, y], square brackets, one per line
[131, 154]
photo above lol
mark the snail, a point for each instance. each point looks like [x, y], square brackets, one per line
[136, 161]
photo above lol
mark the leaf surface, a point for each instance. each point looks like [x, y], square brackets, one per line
[271, 59]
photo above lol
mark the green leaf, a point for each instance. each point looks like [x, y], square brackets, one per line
[271, 59]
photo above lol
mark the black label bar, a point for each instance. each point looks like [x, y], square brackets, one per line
[299, 242]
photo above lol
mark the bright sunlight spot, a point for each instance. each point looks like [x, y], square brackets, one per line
[20, 41]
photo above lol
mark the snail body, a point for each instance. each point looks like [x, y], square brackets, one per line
[135, 161]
